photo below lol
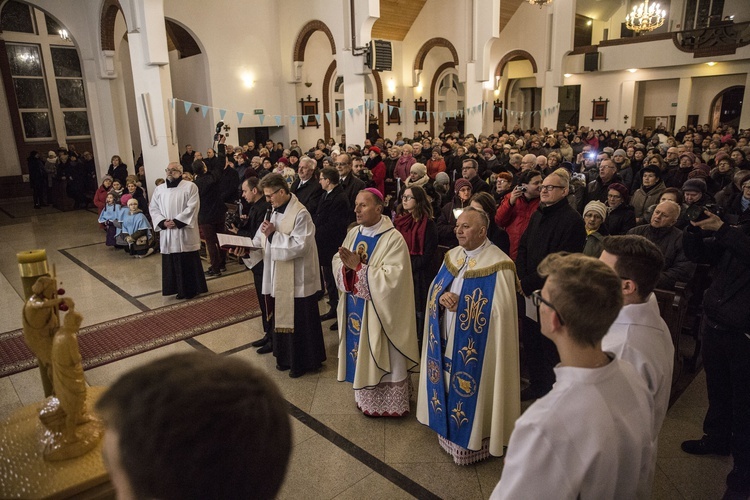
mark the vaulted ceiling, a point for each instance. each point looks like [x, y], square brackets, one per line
[396, 18]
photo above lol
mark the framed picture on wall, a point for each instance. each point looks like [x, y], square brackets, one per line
[599, 110]
[497, 114]
[394, 110]
[309, 108]
[420, 106]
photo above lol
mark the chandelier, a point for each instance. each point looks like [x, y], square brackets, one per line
[540, 3]
[645, 17]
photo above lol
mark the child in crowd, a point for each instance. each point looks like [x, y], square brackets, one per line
[135, 231]
[117, 189]
[109, 215]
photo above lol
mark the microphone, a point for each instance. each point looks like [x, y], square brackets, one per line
[268, 213]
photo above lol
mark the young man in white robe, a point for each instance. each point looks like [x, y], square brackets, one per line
[590, 436]
[291, 278]
[377, 323]
[174, 212]
[469, 390]
[639, 335]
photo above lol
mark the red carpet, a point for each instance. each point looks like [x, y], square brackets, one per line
[123, 337]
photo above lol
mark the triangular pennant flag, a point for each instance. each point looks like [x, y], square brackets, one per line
[351, 112]
[187, 104]
[261, 118]
[340, 113]
[328, 117]
[293, 119]
[382, 106]
[222, 114]
[277, 119]
[204, 110]
[240, 115]
[367, 104]
[434, 114]
[413, 113]
[390, 109]
[317, 118]
[171, 103]
[360, 108]
[304, 119]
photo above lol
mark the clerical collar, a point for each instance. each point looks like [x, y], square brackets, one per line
[174, 182]
[477, 250]
[372, 230]
[282, 208]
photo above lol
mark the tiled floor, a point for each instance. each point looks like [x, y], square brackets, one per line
[338, 453]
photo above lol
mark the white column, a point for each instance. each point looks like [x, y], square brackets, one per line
[627, 107]
[354, 96]
[683, 101]
[152, 84]
[745, 112]
[474, 95]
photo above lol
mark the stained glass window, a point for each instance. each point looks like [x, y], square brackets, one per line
[16, 16]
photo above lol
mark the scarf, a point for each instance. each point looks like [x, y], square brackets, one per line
[419, 182]
[284, 276]
[413, 232]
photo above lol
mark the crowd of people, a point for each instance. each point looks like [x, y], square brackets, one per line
[449, 255]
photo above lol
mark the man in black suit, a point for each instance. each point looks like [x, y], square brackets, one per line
[331, 220]
[306, 188]
[349, 182]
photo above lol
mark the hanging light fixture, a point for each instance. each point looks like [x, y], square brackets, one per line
[540, 3]
[64, 34]
[645, 17]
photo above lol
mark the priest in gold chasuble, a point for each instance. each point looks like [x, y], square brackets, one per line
[377, 324]
[469, 390]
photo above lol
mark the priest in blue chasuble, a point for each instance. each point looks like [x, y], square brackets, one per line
[377, 324]
[469, 390]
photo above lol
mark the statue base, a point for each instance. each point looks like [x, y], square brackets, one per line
[59, 445]
[25, 472]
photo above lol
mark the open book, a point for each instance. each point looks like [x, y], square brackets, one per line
[227, 241]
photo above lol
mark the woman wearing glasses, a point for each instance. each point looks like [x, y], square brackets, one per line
[414, 222]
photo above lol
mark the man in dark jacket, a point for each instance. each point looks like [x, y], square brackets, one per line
[726, 344]
[599, 187]
[554, 227]
[306, 187]
[211, 215]
[470, 172]
[187, 158]
[229, 182]
[348, 182]
[331, 220]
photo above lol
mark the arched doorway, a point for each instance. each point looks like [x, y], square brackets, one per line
[450, 95]
[726, 107]
[517, 70]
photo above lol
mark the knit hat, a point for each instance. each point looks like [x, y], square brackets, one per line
[701, 171]
[697, 185]
[622, 189]
[721, 155]
[609, 151]
[461, 183]
[107, 178]
[619, 152]
[52, 155]
[442, 178]
[488, 151]
[419, 168]
[283, 160]
[375, 149]
[689, 155]
[400, 143]
[124, 199]
[597, 207]
[653, 169]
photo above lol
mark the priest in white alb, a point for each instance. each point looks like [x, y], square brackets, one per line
[377, 324]
[469, 390]
[174, 212]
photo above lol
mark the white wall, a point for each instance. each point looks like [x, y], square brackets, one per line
[318, 55]
[189, 83]
[705, 89]
[655, 98]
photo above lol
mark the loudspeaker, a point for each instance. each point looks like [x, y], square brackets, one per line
[380, 55]
[591, 61]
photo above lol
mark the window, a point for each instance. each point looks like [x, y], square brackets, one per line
[27, 72]
[16, 16]
[69, 80]
[702, 13]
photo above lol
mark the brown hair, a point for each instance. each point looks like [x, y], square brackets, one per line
[638, 260]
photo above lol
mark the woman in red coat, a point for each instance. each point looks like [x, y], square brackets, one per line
[100, 197]
[377, 167]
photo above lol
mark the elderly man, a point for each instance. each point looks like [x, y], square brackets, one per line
[469, 171]
[187, 158]
[528, 162]
[599, 187]
[291, 278]
[590, 437]
[554, 227]
[639, 335]
[470, 358]
[307, 188]
[174, 212]
[376, 317]
[662, 232]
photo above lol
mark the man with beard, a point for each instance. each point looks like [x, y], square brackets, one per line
[174, 212]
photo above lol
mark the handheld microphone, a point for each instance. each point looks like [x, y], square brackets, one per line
[268, 213]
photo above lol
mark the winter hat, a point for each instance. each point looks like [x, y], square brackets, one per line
[696, 185]
[488, 151]
[442, 178]
[609, 151]
[461, 183]
[597, 207]
[52, 156]
[691, 156]
[107, 178]
[375, 149]
[419, 168]
[622, 189]
[619, 152]
[701, 171]
[124, 199]
[653, 169]
[283, 160]
[721, 155]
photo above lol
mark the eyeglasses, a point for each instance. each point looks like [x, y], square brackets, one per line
[550, 187]
[269, 196]
[537, 300]
[407, 198]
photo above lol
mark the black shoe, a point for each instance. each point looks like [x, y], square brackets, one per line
[260, 342]
[334, 327]
[211, 272]
[265, 349]
[223, 268]
[738, 481]
[329, 315]
[296, 373]
[705, 446]
[282, 368]
[532, 392]
[180, 296]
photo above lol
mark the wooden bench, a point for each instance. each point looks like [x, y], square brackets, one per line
[673, 306]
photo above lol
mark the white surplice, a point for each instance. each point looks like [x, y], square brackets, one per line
[180, 203]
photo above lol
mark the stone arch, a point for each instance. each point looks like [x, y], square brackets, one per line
[327, 98]
[378, 99]
[182, 39]
[304, 36]
[714, 112]
[431, 44]
[515, 55]
[433, 101]
[110, 8]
